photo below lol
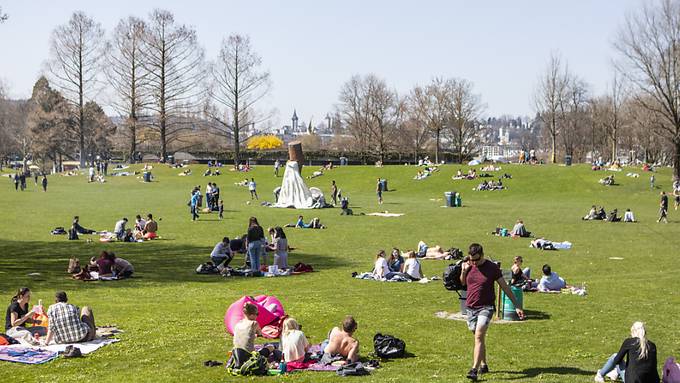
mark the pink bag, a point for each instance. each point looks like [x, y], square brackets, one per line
[671, 371]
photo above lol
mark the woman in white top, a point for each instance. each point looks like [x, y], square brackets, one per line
[381, 268]
[279, 246]
[628, 216]
[294, 343]
[411, 267]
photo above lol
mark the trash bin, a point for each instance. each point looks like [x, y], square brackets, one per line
[567, 160]
[463, 301]
[509, 313]
[450, 199]
[383, 185]
[457, 200]
[147, 176]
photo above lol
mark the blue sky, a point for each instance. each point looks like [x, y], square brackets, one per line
[312, 47]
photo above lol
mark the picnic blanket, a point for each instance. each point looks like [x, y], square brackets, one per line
[314, 349]
[85, 347]
[386, 214]
[27, 355]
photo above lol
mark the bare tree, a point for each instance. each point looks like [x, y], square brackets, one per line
[549, 95]
[237, 85]
[369, 109]
[649, 47]
[76, 52]
[101, 130]
[430, 107]
[127, 76]
[574, 113]
[3, 16]
[611, 114]
[411, 131]
[464, 110]
[174, 62]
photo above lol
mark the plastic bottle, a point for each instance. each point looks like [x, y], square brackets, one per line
[282, 367]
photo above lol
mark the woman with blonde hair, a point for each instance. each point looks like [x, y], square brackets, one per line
[640, 364]
[294, 344]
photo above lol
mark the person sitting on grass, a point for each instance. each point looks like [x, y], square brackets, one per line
[396, 261]
[19, 313]
[411, 268]
[294, 343]
[68, 324]
[628, 216]
[601, 214]
[121, 268]
[520, 276]
[221, 253]
[315, 223]
[614, 216]
[245, 332]
[519, 230]
[119, 229]
[103, 265]
[341, 343]
[550, 281]
[640, 354]
[150, 228]
[79, 229]
[592, 214]
[380, 268]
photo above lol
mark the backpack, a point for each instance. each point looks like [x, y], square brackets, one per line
[352, 369]
[387, 346]
[207, 268]
[255, 365]
[59, 230]
[456, 253]
[6, 340]
[671, 371]
[451, 276]
[302, 268]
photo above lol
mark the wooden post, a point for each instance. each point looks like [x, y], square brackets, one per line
[295, 154]
[499, 304]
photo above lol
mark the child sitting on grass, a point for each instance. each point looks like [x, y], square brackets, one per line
[247, 329]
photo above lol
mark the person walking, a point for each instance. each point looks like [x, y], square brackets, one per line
[379, 191]
[663, 208]
[251, 187]
[44, 183]
[479, 275]
[334, 192]
[651, 181]
[16, 181]
[194, 205]
[277, 165]
[22, 180]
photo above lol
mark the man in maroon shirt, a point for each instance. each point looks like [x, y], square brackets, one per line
[478, 275]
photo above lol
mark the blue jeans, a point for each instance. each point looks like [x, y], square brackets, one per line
[609, 365]
[254, 251]
[194, 213]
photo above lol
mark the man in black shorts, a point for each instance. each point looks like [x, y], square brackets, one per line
[479, 275]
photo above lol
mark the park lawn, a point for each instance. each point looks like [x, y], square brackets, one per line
[172, 317]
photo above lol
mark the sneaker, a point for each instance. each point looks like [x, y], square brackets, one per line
[599, 378]
[613, 374]
[472, 374]
[484, 369]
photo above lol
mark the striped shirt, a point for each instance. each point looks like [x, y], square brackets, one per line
[65, 323]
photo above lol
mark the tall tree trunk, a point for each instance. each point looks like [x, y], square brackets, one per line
[436, 148]
[553, 156]
[676, 159]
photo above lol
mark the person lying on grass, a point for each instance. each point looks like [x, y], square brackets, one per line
[341, 343]
[315, 223]
[435, 252]
[542, 243]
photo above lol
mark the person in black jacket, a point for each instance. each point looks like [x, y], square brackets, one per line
[255, 241]
[640, 364]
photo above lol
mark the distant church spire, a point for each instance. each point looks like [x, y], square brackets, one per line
[295, 120]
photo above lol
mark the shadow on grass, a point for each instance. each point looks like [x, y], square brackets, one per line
[36, 263]
[536, 315]
[533, 372]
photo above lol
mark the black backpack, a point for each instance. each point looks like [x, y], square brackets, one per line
[451, 276]
[352, 369]
[387, 346]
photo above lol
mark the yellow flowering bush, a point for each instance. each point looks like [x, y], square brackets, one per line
[264, 142]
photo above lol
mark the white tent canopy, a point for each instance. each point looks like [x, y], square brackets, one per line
[294, 192]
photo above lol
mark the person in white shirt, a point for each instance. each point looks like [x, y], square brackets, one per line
[294, 343]
[551, 281]
[381, 268]
[251, 188]
[628, 216]
[411, 267]
[221, 253]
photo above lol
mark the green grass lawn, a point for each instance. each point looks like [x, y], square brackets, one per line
[173, 318]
